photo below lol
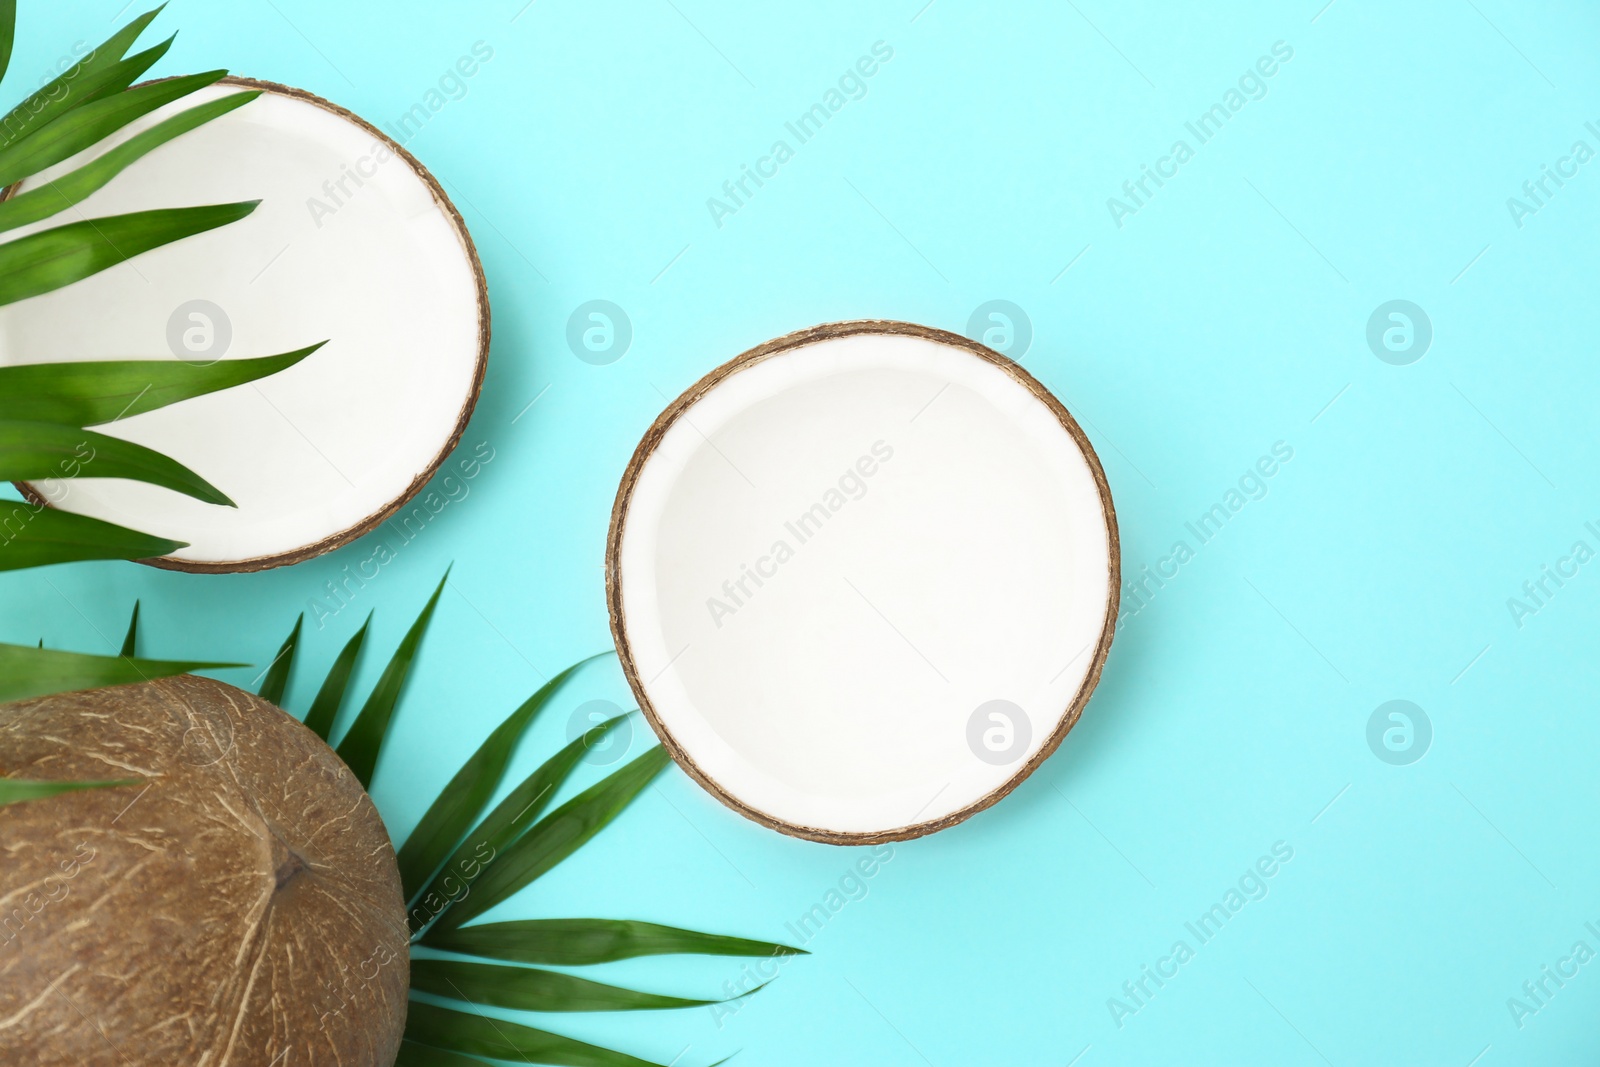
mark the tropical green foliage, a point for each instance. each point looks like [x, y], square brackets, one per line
[27, 672]
[458, 863]
[45, 409]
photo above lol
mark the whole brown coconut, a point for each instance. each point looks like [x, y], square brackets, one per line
[240, 907]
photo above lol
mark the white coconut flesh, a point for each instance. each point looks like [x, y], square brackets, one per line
[837, 559]
[350, 244]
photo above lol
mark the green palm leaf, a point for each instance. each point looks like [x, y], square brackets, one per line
[102, 391]
[89, 123]
[73, 188]
[530, 989]
[57, 257]
[31, 536]
[37, 450]
[415, 1055]
[276, 679]
[27, 672]
[325, 708]
[61, 193]
[360, 746]
[99, 80]
[130, 643]
[16, 790]
[557, 836]
[504, 825]
[89, 86]
[428, 1024]
[581, 942]
[18, 121]
[8, 33]
[448, 819]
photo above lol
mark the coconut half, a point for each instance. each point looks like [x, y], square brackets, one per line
[238, 907]
[354, 242]
[862, 579]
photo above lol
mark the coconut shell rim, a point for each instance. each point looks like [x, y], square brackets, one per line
[388, 511]
[788, 342]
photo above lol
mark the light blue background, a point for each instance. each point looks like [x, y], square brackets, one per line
[1229, 313]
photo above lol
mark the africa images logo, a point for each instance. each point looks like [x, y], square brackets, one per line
[737, 191]
[1137, 192]
[1253, 885]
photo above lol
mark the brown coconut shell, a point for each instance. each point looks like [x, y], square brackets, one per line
[239, 907]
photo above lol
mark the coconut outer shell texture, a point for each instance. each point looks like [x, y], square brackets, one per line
[244, 910]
